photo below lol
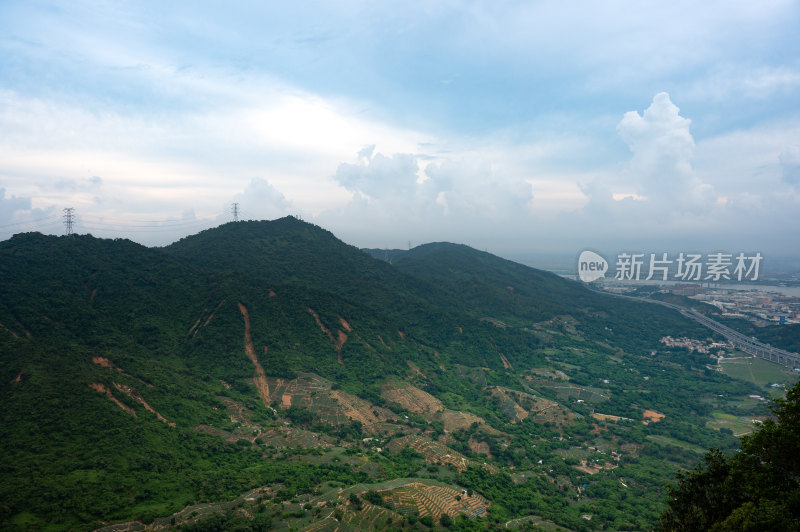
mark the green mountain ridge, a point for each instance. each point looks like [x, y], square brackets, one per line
[138, 382]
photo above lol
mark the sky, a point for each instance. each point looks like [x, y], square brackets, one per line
[520, 128]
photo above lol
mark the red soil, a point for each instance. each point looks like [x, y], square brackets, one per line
[259, 376]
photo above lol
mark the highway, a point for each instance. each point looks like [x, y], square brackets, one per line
[740, 341]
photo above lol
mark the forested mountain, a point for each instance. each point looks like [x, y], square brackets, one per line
[265, 375]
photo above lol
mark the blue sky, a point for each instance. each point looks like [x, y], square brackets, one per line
[517, 127]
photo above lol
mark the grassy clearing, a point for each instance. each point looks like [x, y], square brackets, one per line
[666, 440]
[533, 521]
[758, 371]
[578, 453]
[740, 426]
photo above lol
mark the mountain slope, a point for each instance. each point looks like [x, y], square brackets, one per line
[289, 251]
[138, 383]
[489, 286]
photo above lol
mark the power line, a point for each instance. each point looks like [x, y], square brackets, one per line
[100, 224]
[247, 215]
[154, 229]
[135, 221]
[51, 218]
[165, 224]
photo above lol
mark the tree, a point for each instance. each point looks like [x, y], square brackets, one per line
[758, 488]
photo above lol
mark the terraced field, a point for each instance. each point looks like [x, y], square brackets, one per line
[517, 405]
[329, 406]
[402, 498]
[290, 437]
[371, 517]
[429, 407]
[412, 398]
[434, 452]
[419, 498]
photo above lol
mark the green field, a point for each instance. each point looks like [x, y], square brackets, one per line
[666, 440]
[739, 425]
[758, 371]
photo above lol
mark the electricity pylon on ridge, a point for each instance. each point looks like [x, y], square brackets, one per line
[69, 220]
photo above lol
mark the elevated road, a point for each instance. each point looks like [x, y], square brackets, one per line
[740, 341]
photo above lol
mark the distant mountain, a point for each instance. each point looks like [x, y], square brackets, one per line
[138, 383]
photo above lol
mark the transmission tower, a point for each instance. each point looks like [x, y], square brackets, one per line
[69, 219]
[235, 211]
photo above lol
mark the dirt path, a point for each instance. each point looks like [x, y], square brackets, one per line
[259, 377]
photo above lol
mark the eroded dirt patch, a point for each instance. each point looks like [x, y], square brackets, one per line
[477, 446]
[413, 399]
[259, 377]
[106, 363]
[205, 318]
[651, 416]
[506, 363]
[102, 388]
[102, 361]
[517, 405]
[338, 341]
[9, 330]
[330, 406]
[454, 420]
[384, 343]
[134, 394]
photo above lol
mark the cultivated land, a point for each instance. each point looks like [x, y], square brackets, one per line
[758, 371]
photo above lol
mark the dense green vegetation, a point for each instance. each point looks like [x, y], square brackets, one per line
[757, 488]
[127, 388]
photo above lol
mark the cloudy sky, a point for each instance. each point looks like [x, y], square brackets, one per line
[517, 127]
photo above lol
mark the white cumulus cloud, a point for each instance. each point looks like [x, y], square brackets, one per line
[406, 195]
[663, 148]
[261, 201]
